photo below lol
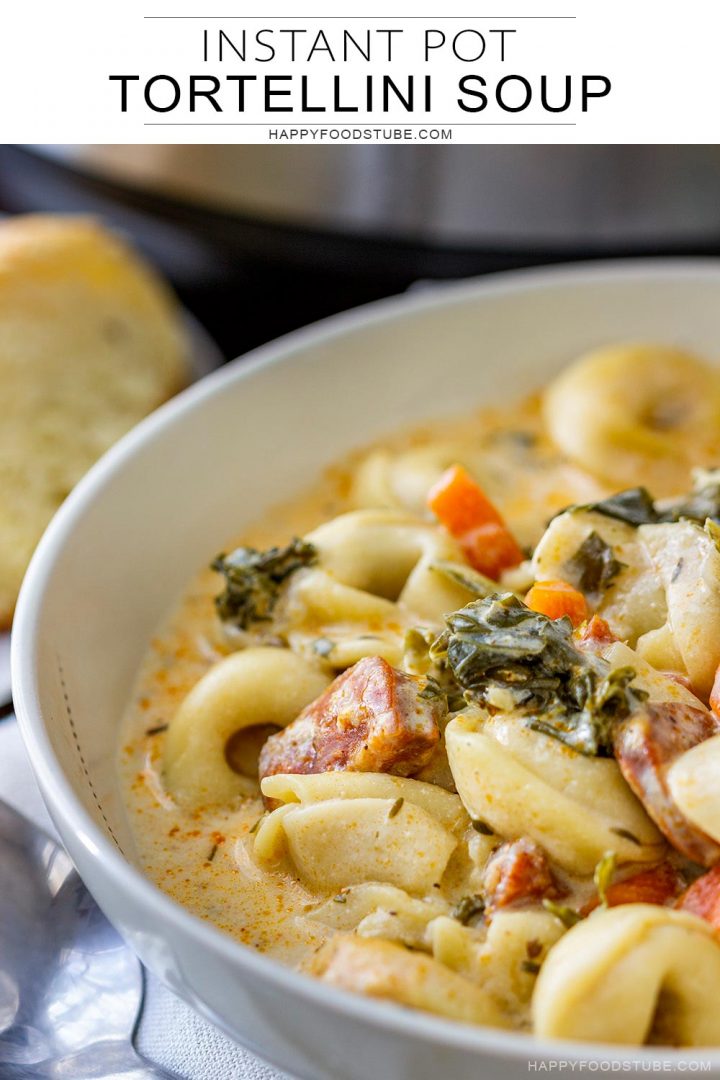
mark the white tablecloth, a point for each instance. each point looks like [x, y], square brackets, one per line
[170, 1033]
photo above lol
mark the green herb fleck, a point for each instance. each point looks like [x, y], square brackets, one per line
[341, 898]
[593, 567]
[482, 828]
[603, 875]
[431, 691]
[256, 826]
[627, 835]
[416, 651]
[476, 584]
[568, 916]
[468, 909]
[533, 948]
[213, 853]
[530, 967]
[253, 580]
[157, 730]
[417, 661]
[396, 807]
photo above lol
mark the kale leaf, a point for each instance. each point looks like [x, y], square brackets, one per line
[499, 644]
[636, 506]
[593, 566]
[476, 583]
[254, 579]
[702, 503]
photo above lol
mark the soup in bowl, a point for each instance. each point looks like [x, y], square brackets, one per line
[411, 699]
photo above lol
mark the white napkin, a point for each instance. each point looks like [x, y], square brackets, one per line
[171, 1034]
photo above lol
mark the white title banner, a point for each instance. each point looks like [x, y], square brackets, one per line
[167, 71]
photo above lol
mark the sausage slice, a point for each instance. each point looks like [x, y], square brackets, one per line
[646, 744]
[372, 718]
[702, 898]
[519, 873]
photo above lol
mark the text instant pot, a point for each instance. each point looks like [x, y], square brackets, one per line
[449, 70]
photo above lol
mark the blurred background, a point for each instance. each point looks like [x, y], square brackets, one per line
[261, 239]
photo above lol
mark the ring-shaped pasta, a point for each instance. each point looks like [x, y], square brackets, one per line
[248, 688]
[665, 598]
[637, 411]
[376, 574]
[342, 842]
[630, 974]
[524, 783]
[634, 601]
[686, 561]
[377, 550]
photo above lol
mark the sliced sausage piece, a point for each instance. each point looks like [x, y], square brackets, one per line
[646, 744]
[658, 885]
[702, 898]
[519, 873]
[372, 718]
[594, 636]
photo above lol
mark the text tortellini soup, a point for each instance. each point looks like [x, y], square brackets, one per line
[445, 731]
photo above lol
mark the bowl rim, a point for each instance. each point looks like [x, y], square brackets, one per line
[58, 790]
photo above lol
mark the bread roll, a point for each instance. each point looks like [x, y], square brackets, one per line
[90, 342]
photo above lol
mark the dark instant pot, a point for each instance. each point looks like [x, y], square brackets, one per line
[261, 239]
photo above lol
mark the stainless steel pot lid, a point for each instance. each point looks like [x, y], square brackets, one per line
[459, 195]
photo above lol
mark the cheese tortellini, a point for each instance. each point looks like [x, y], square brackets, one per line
[378, 572]
[631, 974]
[367, 832]
[637, 413]
[244, 690]
[524, 783]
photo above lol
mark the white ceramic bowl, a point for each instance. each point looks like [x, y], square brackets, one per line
[160, 503]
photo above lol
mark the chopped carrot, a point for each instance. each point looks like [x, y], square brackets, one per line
[658, 885]
[490, 549]
[715, 693]
[702, 898]
[466, 512]
[557, 598]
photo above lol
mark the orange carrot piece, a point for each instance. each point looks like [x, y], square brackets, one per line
[490, 549]
[466, 512]
[702, 898]
[557, 598]
[658, 885]
[459, 503]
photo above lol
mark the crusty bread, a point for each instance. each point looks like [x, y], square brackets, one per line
[90, 342]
